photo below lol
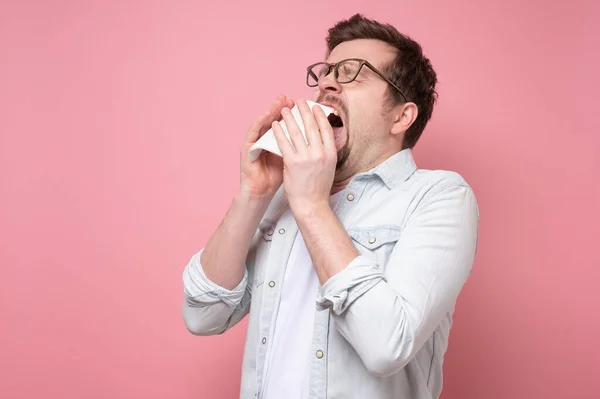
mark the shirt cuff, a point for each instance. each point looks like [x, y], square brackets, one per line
[342, 289]
[199, 289]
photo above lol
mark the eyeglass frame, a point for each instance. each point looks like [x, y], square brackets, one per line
[335, 66]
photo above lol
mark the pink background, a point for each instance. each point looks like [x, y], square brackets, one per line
[109, 183]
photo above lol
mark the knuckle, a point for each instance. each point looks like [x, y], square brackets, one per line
[321, 158]
[295, 161]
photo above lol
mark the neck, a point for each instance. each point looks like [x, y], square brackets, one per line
[344, 175]
[339, 185]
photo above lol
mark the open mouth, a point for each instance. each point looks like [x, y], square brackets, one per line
[336, 123]
[335, 120]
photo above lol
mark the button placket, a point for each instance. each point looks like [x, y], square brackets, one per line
[283, 231]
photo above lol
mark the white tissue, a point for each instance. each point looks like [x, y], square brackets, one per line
[268, 142]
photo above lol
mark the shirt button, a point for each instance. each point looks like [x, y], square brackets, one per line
[270, 233]
[271, 284]
[372, 240]
[264, 340]
[319, 354]
[350, 197]
[281, 231]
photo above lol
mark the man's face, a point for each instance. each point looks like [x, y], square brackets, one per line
[364, 136]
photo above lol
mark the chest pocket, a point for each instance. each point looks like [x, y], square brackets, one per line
[376, 242]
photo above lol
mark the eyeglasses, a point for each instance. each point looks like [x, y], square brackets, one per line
[344, 71]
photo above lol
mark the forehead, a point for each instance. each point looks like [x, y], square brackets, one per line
[376, 52]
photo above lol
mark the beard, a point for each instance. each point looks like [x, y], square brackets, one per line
[344, 152]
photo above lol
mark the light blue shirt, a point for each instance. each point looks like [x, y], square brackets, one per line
[382, 324]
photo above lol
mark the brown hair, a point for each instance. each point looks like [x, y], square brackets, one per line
[411, 71]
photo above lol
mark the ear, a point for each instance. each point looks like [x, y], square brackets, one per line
[404, 116]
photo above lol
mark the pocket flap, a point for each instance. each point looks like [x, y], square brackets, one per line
[373, 237]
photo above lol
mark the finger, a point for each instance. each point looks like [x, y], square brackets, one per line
[289, 103]
[274, 112]
[293, 130]
[283, 143]
[262, 123]
[255, 128]
[326, 130]
[311, 127]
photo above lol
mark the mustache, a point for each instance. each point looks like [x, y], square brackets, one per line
[333, 101]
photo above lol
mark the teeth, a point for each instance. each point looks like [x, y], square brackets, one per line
[335, 112]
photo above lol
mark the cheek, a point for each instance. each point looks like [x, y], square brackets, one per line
[359, 122]
[362, 111]
[367, 118]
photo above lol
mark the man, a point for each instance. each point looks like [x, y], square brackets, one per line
[347, 257]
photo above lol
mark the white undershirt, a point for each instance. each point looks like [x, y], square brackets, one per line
[289, 365]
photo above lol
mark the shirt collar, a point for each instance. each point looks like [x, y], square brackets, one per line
[394, 170]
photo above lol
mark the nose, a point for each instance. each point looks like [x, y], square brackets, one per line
[329, 84]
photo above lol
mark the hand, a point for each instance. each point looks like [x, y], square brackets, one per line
[308, 169]
[261, 178]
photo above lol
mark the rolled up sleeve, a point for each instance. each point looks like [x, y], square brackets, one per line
[209, 308]
[388, 313]
[342, 289]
